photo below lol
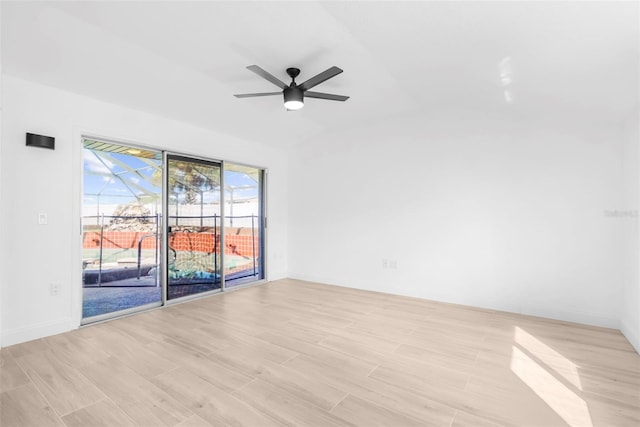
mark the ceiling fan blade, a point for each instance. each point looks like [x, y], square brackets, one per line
[267, 76]
[251, 95]
[319, 78]
[320, 95]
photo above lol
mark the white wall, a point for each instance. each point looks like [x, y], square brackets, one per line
[37, 180]
[630, 315]
[499, 213]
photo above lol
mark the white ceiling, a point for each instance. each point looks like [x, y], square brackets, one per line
[185, 60]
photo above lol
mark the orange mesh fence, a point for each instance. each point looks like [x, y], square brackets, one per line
[117, 240]
[247, 246]
[194, 242]
[208, 242]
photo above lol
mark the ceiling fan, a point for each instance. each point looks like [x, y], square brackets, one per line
[294, 93]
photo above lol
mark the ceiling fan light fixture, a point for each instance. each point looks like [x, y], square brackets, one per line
[293, 105]
[293, 98]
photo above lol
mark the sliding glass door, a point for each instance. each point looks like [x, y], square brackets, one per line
[243, 224]
[194, 224]
[120, 229]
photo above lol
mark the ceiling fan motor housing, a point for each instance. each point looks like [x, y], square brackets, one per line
[293, 93]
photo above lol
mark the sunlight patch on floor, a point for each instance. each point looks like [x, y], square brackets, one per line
[560, 398]
[560, 364]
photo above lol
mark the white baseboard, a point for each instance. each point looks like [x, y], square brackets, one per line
[572, 316]
[29, 333]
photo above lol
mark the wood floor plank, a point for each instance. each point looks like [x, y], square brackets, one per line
[102, 414]
[513, 402]
[94, 330]
[353, 349]
[134, 354]
[464, 419]
[210, 403]
[435, 386]
[380, 329]
[383, 394]
[63, 386]
[302, 332]
[74, 350]
[437, 356]
[377, 342]
[418, 375]
[348, 315]
[360, 412]
[343, 379]
[29, 347]
[132, 326]
[604, 412]
[286, 408]
[194, 421]
[445, 342]
[382, 325]
[141, 400]
[310, 386]
[225, 334]
[173, 350]
[249, 356]
[622, 388]
[11, 374]
[24, 406]
[211, 370]
[337, 360]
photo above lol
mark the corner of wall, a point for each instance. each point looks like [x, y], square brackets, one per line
[630, 305]
[631, 334]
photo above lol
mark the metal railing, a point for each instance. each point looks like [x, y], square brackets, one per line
[156, 234]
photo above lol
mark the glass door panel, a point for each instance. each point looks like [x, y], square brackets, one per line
[120, 228]
[243, 225]
[194, 262]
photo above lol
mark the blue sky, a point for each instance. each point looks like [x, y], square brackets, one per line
[105, 177]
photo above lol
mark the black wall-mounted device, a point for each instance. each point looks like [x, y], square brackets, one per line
[41, 141]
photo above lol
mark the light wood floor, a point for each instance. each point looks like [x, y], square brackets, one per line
[298, 353]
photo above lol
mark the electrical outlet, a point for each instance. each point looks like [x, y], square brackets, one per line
[385, 263]
[42, 218]
[54, 289]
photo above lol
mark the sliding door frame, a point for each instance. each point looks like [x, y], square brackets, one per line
[223, 215]
[83, 321]
[165, 230]
[262, 202]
